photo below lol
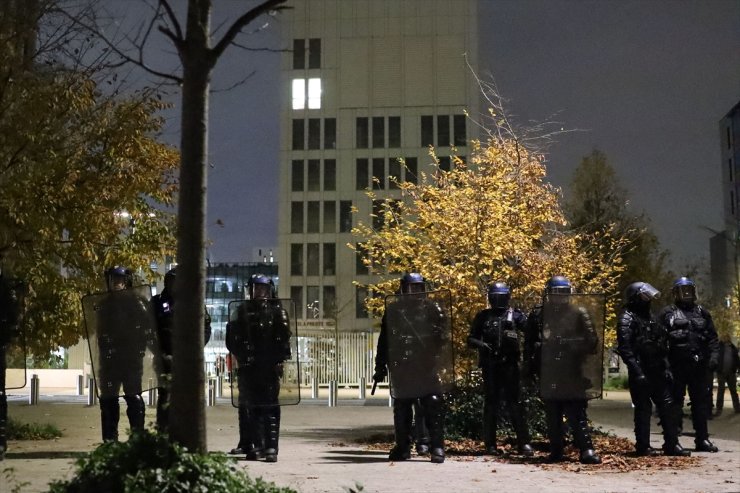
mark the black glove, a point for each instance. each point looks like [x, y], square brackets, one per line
[380, 374]
[480, 344]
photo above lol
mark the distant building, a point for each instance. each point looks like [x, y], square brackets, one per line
[725, 246]
[366, 82]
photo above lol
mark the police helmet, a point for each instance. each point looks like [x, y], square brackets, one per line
[558, 285]
[413, 282]
[640, 293]
[260, 286]
[499, 295]
[117, 278]
[684, 290]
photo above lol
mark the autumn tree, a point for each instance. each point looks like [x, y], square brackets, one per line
[83, 182]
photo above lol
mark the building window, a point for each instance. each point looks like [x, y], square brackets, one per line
[300, 97]
[296, 217]
[314, 53]
[361, 131]
[299, 94]
[330, 133]
[378, 213]
[729, 162]
[362, 170]
[314, 93]
[330, 216]
[314, 133]
[444, 163]
[732, 202]
[412, 171]
[330, 259]
[345, 216]
[461, 135]
[298, 134]
[378, 131]
[360, 295]
[378, 173]
[296, 259]
[330, 302]
[443, 131]
[312, 259]
[330, 175]
[314, 175]
[296, 294]
[360, 254]
[427, 131]
[394, 173]
[312, 221]
[394, 131]
[299, 54]
[312, 302]
[297, 176]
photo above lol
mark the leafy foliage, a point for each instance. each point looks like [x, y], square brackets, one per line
[148, 462]
[32, 431]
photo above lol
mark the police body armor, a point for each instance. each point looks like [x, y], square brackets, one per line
[651, 343]
[688, 335]
[499, 332]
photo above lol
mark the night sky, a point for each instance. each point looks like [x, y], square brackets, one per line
[644, 81]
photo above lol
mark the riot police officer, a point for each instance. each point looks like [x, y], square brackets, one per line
[642, 344]
[563, 367]
[259, 338]
[164, 305]
[496, 332]
[693, 355]
[9, 317]
[124, 323]
[411, 317]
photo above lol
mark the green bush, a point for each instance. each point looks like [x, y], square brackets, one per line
[617, 383]
[148, 462]
[31, 431]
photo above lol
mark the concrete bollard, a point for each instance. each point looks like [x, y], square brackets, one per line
[390, 398]
[220, 386]
[33, 396]
[314, 388]
[211, 392]
[80, 385]
[333, 393]
[92, 392]
[151, 398]
[363, 388]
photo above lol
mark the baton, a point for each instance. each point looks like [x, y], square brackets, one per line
[375, 384]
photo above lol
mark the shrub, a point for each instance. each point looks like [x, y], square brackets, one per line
[148, 462]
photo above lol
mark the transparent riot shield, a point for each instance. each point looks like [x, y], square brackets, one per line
[122, 336]
[262, 338]
[419, 337]
[12, 335]
[572, 346]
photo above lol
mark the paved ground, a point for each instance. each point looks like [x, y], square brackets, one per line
[318, 452]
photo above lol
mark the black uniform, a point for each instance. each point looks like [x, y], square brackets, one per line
[9, 314]
[163, 305]
[693, 355]
[643, 346]
[729, 362]
[496, 334]
[259, 338]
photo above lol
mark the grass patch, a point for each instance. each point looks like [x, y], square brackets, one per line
[32, 431]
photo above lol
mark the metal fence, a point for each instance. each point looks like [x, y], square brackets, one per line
[318, 357]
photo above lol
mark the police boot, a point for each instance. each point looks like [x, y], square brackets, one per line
[257, 426]
[522, 432]
[705, 446]
[402, 418]
[421, 433]
[582, 438]
[245, 441]
[434, 415]
[669, 416]
[109, 416]
[554, 431]
[3, 424]
[489, 429]
[135, 410]
[272, 433]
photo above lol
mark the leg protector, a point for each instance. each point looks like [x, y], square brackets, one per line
[554, 418]
[135, 410]
[109, 416]
[489, 425]
[434, 414]
[163, 409]
[272, 432]
[402, 420]
[421, 433]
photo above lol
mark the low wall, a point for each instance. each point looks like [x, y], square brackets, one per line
[47, 377]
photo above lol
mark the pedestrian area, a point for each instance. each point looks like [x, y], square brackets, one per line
[320, 452]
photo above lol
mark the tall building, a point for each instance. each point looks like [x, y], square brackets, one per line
[366, 82]
[725, 246]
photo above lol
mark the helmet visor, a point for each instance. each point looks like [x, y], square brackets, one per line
[261, 291]
[648, 293]
[559, 290]
[499, 300]
[686, 293]
[415, 287]
[117, 283]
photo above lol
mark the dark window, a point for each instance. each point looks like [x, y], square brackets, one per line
[411, 171]
[443, 131]
[330, 259]
[345, 216]
[394, 173]
[296, 217]
[461, 136]
[330, 216]
[360, 253]
[330, 302]
[314, 175]
[330, 133]
[427, 131]
[362, 170]
[729, 162]
[314, 53]
[360, 295]
[296, 259]
[444, 163]
[312, 221]
[299, 54]
[394, 131]
[378, 131]
[297, 176]
[378, 214]
[298, 135]
[312, 302]
[296, 294]
[729, 138]
[378, 173]
[361, 131]
[312, 259]
[330, 174]
[732, 202]
[314, 133]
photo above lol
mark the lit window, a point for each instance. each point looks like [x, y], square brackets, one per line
[314, 94]
[299, 94]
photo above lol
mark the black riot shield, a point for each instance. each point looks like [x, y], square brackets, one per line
[572, 346]
[262, 337]
[122, 336]
[12, 336]
[419, 336]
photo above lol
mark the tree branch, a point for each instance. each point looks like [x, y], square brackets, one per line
[242, 21]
